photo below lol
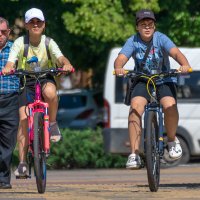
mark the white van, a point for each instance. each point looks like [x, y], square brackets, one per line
[115, 133]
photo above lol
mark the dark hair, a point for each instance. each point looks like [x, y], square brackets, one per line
[4, 20]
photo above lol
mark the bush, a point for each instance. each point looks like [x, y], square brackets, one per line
[81, 149]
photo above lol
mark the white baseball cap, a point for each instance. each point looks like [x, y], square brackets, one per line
[34, 13]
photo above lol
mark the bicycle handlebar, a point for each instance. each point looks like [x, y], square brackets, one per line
[151, 78]
[133, 74]
[53, 71]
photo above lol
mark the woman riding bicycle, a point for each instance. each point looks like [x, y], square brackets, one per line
[35, 25]
[158, 47]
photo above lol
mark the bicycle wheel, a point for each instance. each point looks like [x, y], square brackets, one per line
[151, 151]
[39, 156]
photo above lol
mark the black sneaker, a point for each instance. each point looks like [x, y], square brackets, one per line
[21, 170]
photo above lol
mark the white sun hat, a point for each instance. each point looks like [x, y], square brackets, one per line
[34, 13]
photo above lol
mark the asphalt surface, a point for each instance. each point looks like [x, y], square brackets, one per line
[178, 183]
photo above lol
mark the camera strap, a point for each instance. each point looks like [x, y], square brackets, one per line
[147, 52]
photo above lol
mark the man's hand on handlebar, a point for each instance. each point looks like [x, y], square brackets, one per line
[185, 69]
[120, 71]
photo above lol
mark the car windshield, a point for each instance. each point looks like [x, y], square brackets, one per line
[70, 101]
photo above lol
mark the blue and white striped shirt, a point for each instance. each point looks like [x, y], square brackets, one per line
[8, 84]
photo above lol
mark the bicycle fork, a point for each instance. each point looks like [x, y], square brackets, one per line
[161, 129]
[159, 117]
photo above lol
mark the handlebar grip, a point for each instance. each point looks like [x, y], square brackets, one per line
[190, 70]
[73, 70]
[125, 72]
[10, 73]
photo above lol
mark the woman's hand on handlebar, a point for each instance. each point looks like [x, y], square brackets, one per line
[68, 67]
[8, 69]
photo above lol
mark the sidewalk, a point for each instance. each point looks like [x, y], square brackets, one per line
[178, 183]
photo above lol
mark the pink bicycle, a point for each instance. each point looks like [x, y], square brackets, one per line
[38, 126]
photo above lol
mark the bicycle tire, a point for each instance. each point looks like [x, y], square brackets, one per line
[39, 156]
[152, 156]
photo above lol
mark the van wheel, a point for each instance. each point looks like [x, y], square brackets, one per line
[183, 160]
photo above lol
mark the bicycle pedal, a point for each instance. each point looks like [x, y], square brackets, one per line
[163, 161]
[47, 155]
[23, 177]
[142, 166]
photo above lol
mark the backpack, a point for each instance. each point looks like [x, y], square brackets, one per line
[26, 46]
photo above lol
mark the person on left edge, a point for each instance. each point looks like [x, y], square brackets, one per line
[9, 109]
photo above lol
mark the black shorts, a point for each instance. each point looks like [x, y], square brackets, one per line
[163, 90]
[28, 92]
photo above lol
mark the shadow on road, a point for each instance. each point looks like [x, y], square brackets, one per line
[177, 185]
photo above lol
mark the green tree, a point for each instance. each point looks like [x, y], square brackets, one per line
[99, 26]
[86, 30]
[180, 20]
[104, 20]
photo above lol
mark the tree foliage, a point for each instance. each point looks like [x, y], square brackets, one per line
[180, 20]
[86, 30]
[104, 20]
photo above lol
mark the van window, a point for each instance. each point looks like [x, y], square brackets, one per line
[188, 88]
[120, 89]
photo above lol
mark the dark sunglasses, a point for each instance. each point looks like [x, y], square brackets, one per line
[4, 32]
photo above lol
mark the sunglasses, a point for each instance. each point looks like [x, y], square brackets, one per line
[32, 22]
[150, 25]
[4, 32]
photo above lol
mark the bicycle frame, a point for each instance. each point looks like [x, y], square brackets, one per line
[39, 137]
[153, 139]
[38, 106]
[38, 124]
[153, 128]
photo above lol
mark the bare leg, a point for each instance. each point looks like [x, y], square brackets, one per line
[22, 136]
[50, 96]
[135, 122]
[171, 116]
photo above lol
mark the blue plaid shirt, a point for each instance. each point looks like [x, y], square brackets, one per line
[8, 84]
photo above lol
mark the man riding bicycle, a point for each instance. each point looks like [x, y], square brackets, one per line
[150, 50]
[48, 56]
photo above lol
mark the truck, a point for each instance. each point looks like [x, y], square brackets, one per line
[115, 131]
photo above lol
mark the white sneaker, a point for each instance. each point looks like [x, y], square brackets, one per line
[175, 150]
[134, 161]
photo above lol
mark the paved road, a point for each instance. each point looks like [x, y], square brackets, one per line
[178, 183]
